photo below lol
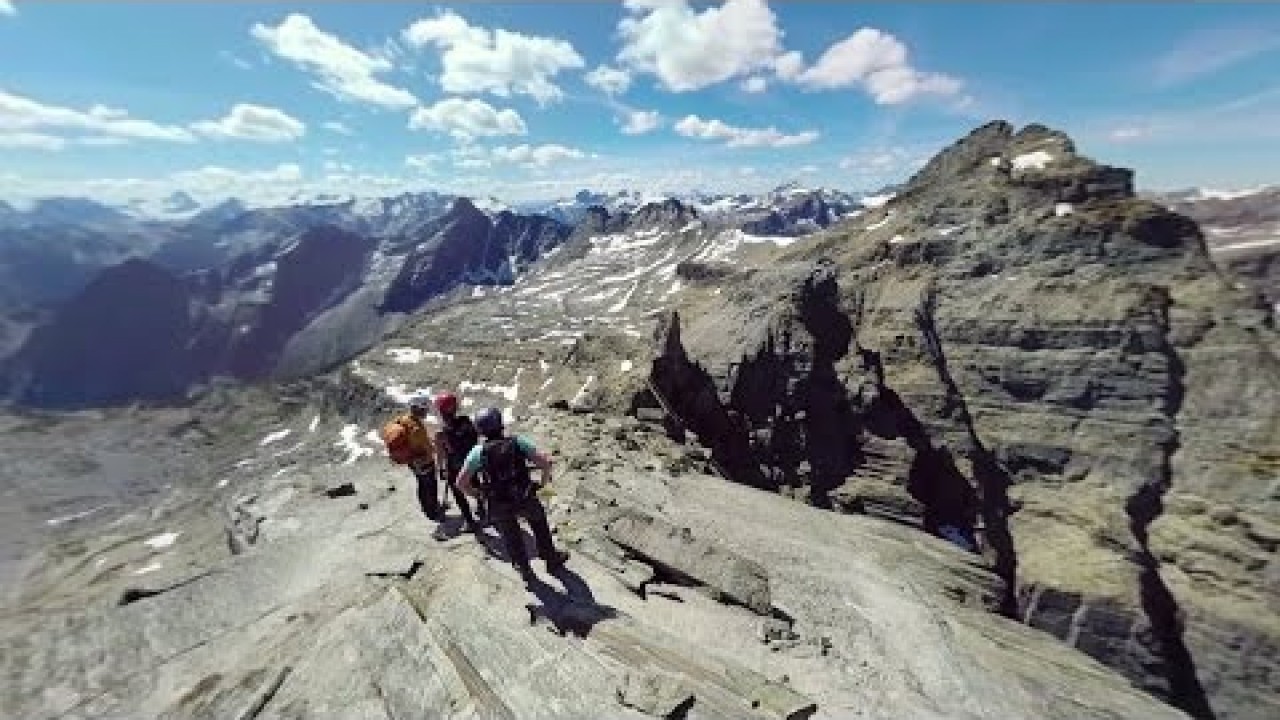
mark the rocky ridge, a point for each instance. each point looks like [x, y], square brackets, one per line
[1015, 343]
[293, 576]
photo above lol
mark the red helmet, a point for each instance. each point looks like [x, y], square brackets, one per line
[446, 403]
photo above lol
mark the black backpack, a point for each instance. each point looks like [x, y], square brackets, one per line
[507, 478]
[460, 436]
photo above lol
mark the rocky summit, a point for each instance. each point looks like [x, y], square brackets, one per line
[1004, 446]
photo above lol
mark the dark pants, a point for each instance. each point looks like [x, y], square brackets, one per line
[427, 496]
[460, 498]
[506, 519]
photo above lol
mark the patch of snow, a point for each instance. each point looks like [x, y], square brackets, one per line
[280, 472]
[347, 441]
[883, 221]
[224, 482]
[373, 437]
[627, 365]
[1252, 244]
[402, 394]
[315, 423]
[1229, 194]
[546, 383]
[510, 392]
[1035, 160]
[1062, 209]
[897, 240]
[244, 463]
[54, 522]
[546, 366]
[996, 161]
[477, 292]
[148, 569]
[277, 435]
[405, 356]
[949, 230]
[161, 541]
[875, 201]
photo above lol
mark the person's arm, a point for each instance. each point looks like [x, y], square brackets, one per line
[466, 476]
[540, 459]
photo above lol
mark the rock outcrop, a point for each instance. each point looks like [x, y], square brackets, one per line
[1061, 362]
[262, 596]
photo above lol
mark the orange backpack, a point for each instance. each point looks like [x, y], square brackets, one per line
[395, 435]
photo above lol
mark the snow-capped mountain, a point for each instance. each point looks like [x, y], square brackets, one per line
[789, 209]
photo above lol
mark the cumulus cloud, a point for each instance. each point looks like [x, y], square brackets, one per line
[877, 62]
[537, 155]
[338, 127]
[789, 65]
[474, 157]
[504, 63]
[755, 84]
[1128, 134]
[689, 50]
[467, 119]
[639, 122]
[253, 122]
[693, 126]
[23, 115]
[7, 8]
[339, 69]
[609, 80]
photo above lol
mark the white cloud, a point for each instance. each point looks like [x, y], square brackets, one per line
[478, 60]
[1128, 133]
[537, 155]
[341, 70]
[789, 65]
[755, 84]
[609, 80]
[877, 62]
[22, 114]
[693, 126]
[639, 122]
[467, 119]
[7, 8]
[253, 122]
[31, 141]
[808, 170]
[474, 157]
[423, 163]
[338, 127]
[1210, 50]
[690, 50]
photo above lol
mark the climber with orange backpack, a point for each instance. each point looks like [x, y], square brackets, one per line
[410, 443]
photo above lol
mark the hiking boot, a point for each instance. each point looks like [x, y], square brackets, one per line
[556, 562]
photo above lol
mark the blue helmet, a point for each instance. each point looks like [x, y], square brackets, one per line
[489, 421]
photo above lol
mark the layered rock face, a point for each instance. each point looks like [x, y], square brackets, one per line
[1018, 344]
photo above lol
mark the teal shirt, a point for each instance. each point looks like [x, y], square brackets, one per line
[475, 459]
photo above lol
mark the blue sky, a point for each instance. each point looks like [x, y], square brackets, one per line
[533, 100]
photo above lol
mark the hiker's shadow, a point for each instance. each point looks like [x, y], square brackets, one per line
[574, 611]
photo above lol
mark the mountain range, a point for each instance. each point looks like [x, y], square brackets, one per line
[1000, 441]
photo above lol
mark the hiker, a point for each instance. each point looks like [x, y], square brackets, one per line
[454, 440]
[510, 491]
[409, 443]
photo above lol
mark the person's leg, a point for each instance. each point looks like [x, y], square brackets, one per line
[509, 528]
[536, 515]
[427, 493]
[464, 506]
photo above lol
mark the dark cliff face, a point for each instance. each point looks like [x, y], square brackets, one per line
[123, 338]
[466, 245]
[321, 267]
